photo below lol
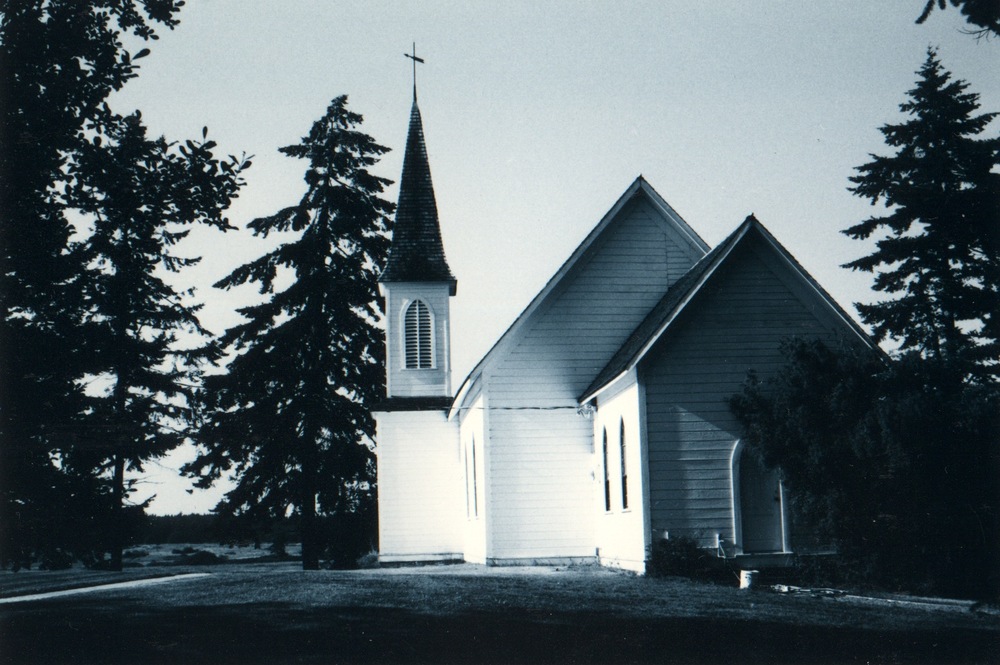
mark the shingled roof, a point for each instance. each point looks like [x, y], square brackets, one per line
[417, 253]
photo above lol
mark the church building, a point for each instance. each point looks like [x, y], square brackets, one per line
[599, 422]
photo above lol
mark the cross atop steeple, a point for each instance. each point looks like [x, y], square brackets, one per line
[415, 59]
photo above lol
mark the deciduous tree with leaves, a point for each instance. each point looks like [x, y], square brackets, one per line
[938, 250]
[59, 60]
[984, 14]
[142, 195]
[893, 463]
[290, 416]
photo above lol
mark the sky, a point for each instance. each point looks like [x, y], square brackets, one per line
[538, 115]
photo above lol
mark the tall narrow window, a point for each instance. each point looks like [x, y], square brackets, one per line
[475, 484]
[607, 473]
[468, 481]
[418, 336]
[621, 441]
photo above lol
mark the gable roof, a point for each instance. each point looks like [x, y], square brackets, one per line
[417, 253]
[638, 188]
[687, 287]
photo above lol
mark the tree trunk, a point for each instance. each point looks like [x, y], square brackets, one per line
[307, 511]
[118, 487]
[117, 514]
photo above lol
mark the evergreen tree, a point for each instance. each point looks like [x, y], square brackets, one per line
[59, 59]
[291, 415]
[984, 14]
[939, 253]
[142, 196]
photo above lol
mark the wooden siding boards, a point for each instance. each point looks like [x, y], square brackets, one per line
[790, 274]
[420, 486]
[620, 532]
[472, 431]
[736, 323]
[571, 337]
[540, 486]
[400, 380]
[638, 191]
[540, 449]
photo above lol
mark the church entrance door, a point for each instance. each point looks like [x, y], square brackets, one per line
[760, 506]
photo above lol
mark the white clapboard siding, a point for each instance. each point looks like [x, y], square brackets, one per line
[620, 530]
[736, 323]
[542, 487]
[420, 493]
[475, 481]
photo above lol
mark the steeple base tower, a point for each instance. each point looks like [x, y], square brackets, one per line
[420, 464]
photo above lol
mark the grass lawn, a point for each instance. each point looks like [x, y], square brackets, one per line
[142, 562]
[275, 613]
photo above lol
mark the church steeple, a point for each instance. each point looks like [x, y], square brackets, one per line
[417, 284]
[417, 253]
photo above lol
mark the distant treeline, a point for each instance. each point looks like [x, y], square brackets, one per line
[344, 537]
[173, 529]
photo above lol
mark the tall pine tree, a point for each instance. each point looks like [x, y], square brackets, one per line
[938, 254]
[291, 415]
[142, 196]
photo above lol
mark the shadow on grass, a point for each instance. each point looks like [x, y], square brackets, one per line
[268, 633]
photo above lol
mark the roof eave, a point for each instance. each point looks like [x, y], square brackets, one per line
[452, 283]
[594, 394]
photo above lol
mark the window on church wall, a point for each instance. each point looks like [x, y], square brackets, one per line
[418, 336]
[621, 441]
[607, 472]
[468, 481]
[475, 482]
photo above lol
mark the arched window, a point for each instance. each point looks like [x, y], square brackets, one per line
[418, 336]
[621, 442]
[607, 473]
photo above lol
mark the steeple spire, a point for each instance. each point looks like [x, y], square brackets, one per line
[417, 253]
[417, 284]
